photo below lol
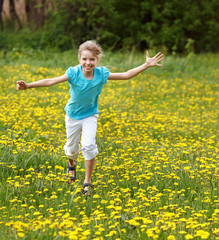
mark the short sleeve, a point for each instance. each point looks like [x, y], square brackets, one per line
[70, 72]
[105, 73]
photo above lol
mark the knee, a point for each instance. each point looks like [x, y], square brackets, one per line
[71, 151]
[89, 151]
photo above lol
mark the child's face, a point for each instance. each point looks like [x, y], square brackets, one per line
[88, 61]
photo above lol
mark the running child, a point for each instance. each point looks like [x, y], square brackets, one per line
[86, 81]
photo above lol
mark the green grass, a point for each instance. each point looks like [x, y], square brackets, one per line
[156, 176]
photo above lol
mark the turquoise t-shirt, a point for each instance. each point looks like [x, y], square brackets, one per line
[84, 93]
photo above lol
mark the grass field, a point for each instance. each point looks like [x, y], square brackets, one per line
[156, 176]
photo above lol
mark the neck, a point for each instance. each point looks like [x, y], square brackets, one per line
[88, 75]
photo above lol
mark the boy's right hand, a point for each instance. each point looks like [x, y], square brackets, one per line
[21, 85]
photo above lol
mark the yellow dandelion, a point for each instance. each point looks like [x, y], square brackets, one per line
[188, 236]
[36, 213]
[21, 234]
[133, 222]
[86, 233]
[170, 237]
[96, 196]
[202, 234]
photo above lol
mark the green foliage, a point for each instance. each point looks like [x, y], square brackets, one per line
[176, 26]
[25, 38]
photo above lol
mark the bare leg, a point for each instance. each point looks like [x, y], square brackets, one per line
[89, 166]
[72, 164]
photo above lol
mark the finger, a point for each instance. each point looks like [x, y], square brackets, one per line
[157, 55]
[20, 83]
[147, 54]
[160, 59]
[160, 55]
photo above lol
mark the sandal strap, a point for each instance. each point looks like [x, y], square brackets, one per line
[87, 185]
[71, 168]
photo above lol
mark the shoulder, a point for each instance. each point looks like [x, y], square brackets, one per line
[74, 69]
[72, 72]
[103, 72]
[102, 69]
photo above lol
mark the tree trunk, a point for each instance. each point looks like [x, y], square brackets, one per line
[1, 7]
[14, 14]
[35, 10]
[41, 19]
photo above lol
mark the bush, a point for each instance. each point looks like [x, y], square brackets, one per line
[117, 24]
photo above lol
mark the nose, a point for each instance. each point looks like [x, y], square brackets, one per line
[88, 62]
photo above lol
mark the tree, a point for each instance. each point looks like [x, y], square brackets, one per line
[1, 7]
[36, 11]
[14, 14]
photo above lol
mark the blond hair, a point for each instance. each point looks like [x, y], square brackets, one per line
[92, 46]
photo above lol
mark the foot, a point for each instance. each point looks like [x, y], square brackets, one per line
[87, 187]
[71, 172]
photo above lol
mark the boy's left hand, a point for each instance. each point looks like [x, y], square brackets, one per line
[155, 60]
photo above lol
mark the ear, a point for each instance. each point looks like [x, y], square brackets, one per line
[98, 59]
[79, 59]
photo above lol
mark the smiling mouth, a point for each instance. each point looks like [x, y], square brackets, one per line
[88, 67]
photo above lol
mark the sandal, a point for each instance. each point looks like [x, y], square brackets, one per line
[72, 179]
[87, 191]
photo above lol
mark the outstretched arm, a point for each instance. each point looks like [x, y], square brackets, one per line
[150, 62]
[21, 85]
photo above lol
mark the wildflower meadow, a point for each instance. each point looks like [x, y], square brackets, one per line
[156, 176]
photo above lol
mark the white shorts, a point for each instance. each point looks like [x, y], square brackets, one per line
[88, 126]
